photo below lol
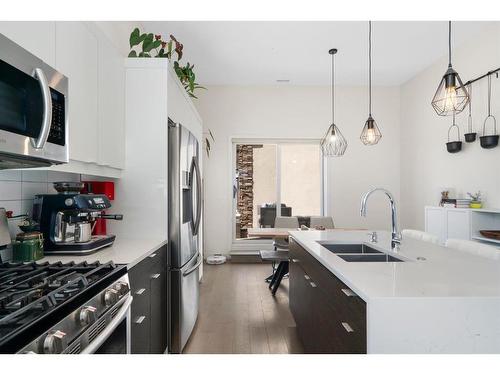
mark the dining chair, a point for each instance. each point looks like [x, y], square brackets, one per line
[475, 248]
[419, 235]
[322, 221]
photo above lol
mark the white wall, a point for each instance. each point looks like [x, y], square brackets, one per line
[426, 165]
[301, 112]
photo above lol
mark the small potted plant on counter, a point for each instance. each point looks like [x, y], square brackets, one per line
[475, 200]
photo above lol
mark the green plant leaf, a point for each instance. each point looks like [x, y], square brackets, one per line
[156, 43]
[132, 54]
[147, 45]
[134, 37]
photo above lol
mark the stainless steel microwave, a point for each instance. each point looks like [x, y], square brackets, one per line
[33, 110]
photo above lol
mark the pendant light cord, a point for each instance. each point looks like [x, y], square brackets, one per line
[333, 88]
[489, 95]
[370, 68]
[449, 43]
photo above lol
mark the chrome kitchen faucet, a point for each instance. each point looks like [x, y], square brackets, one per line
[396, 235]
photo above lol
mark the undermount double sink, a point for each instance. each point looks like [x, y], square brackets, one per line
[354, 252]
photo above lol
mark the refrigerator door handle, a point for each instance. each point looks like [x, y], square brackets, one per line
[194, 268]
[195, 170]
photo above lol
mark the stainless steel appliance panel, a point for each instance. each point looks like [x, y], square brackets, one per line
[19, 149]
[184, 224]
[185, 293]
[184, 196]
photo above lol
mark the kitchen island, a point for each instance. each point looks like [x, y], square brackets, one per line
[432, 300]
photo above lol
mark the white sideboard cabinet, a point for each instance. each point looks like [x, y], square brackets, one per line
[461, 223]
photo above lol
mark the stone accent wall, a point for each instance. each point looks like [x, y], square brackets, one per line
[244, 165]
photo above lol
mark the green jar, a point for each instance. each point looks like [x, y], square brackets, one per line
[28, 247]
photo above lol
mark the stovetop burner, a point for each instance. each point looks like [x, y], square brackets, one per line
[31, 292]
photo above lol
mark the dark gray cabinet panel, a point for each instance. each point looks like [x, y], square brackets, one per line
[148, 284]
[330, 317]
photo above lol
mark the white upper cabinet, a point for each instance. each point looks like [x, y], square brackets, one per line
[76, 57]
[111, 106]
[36, 37]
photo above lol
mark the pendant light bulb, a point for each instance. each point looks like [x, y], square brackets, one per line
[451, 96]
[370, 135]
[333, 143]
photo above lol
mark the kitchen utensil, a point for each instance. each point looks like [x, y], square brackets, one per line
[68, 187]
[4, 228]
[489, 141]
[454, 146]
[28, 247]
[470, 136]
[493, 234]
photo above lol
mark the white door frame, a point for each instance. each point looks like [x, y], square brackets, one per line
[255, 245]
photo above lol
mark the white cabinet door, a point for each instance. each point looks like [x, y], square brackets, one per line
[36, 37]
[111, 106]
[76, 57]
[435, 222]
[458, 224]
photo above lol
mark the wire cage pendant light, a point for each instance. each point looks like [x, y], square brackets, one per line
[333, 143]
[451, 96]
[370, 135]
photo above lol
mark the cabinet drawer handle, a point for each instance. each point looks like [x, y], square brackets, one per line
[140, 291]
[155, 276]
[313, 284]
[347, 327]
[348, 292]
[307, 277]
[295, 260]
[140, 319]
[153, 255]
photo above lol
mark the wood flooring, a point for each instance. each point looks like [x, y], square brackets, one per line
[238, 314]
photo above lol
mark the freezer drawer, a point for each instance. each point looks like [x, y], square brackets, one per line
[184, 303]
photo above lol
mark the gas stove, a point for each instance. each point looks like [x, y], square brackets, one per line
[62, 307]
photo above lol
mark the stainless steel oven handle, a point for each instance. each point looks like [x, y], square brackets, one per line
[194, 268]
[99, 340]
[39, 142]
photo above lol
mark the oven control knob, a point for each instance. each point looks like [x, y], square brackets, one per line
[88, 315]
[55, 342]
[122, 288]
[111, 296]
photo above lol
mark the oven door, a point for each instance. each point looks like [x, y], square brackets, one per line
[33, 110]
[115, 338]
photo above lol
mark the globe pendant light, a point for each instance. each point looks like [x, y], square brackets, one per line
[333, 143]
[451, 96]
[370, 135]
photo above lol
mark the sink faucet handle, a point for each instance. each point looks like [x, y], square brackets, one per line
[373, 236]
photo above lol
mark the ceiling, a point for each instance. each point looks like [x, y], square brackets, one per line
[260, 52]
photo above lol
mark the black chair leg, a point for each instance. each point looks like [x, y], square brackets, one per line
[275, 275]
[283, 270]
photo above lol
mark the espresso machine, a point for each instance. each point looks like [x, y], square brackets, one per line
[67, 219]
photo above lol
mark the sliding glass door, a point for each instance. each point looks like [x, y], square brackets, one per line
[273, 178]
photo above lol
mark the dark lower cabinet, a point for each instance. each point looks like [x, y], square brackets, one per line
[148, 284]
[330, 317]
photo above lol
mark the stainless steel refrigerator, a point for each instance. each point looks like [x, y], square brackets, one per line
[183, 227]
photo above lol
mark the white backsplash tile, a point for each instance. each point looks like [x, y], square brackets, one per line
[10, 190]
[54, 176]
[10, 175]
[34, 176]
[30, 189]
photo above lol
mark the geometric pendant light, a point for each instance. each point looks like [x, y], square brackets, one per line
[451, 96]
[370, 134]
[333, 143]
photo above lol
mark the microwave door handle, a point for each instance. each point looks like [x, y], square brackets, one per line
[39, 142]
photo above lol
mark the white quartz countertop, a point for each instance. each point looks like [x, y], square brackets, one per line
[129, 251]
[445, 272]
